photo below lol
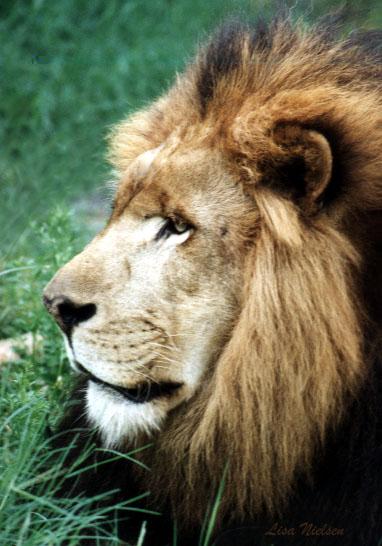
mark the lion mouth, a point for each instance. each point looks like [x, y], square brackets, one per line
[142, 393]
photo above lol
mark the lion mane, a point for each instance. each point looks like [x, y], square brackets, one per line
[290, 415]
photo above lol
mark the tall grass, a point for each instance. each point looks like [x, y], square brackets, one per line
[33, 472]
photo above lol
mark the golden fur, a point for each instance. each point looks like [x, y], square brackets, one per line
[294, 355]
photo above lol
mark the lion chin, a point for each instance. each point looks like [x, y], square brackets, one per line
[117, 418]
[225, 324]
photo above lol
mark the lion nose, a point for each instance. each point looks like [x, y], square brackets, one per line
[67, 313]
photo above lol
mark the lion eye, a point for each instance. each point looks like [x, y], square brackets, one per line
[173, 227]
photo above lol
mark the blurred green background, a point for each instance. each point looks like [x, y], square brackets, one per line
[69, 69]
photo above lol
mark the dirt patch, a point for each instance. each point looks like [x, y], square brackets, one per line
[10, 348]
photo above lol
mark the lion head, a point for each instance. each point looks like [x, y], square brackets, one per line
[220, 312]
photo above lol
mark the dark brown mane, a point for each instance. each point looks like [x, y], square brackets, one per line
[237, 49]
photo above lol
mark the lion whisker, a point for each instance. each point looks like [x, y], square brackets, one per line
[166, 359]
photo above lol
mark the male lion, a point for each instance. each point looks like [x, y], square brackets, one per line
[228, 316]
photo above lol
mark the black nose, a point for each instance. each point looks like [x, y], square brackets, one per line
[68, 313]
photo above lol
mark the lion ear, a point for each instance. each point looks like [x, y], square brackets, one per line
[301, 167]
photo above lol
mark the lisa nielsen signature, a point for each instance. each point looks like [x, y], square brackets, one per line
[306, 529]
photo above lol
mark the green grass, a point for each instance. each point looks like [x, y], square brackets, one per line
[69, 70]
[32, 513]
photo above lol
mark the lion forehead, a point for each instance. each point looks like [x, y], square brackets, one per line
[194, 183]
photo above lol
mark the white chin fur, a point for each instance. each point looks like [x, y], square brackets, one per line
[118, 419]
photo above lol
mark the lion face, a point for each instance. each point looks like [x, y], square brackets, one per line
[146, 306]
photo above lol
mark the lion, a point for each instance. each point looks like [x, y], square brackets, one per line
[228, 316]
